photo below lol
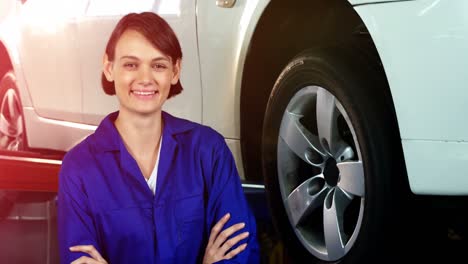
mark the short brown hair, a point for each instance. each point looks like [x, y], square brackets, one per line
[157, 31]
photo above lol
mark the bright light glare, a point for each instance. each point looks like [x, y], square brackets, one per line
[9, 31]
[48, 16]
[118, 7]
[169, 7]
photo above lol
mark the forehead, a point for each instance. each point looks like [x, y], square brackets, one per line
[135, 44]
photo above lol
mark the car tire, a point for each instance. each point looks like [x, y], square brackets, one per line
[332, 160]
[12, 133]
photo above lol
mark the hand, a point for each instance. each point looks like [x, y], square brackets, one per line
[217, 244]
[95, 258]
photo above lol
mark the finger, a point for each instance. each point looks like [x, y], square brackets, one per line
[236, 251]
[223, 236]
[87, 249]
[85, 260]
[231, 242]
[217, 228]
[90, 249]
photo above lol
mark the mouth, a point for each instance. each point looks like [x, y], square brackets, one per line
[141, 92]
[144, 94]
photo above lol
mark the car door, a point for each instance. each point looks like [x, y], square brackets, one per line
[49, 57]
[94, 29]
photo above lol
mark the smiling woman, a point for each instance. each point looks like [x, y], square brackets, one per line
[148, 187]
[142, 75]
[168, 49]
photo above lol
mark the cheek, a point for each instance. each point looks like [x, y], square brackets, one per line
[164, 80]
[123, 81]
[126, 77]
[165, 91]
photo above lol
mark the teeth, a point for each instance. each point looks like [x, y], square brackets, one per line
[144, 93]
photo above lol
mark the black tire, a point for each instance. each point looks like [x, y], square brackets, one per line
[362, 94]
[12, 129]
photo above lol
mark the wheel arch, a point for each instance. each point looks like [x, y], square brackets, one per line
[9, 60]
[5, 61]
[312, 24]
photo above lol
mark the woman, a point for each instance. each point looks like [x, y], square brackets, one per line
[147, 187]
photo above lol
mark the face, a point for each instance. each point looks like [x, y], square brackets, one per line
[142, 74]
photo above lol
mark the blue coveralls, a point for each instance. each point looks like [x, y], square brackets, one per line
[104, 200]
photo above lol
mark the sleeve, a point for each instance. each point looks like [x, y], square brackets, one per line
[74, 220]
[227, 196]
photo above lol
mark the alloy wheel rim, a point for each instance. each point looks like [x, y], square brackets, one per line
[11, 122]
[320, 173]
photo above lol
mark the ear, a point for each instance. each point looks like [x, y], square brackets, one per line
[176, 72]
[107, 68]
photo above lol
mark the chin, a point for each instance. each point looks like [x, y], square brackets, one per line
[148, 111]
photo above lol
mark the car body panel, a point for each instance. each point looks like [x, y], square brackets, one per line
[444, 173]
[224, 35]
[424, 56]
[49, 57]
[39, 127]
[235, 147]
[425, 71]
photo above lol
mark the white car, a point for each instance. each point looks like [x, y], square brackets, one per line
[343, 109]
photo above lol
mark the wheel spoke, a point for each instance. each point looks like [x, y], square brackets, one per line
[327, 117]
[335, 204]
[344, 153]
[10, 115]
[306, 198]
[19, 125]
[12, 104]
[351, 177]
[5, 126]
[300, 140]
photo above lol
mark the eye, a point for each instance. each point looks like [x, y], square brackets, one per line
[159, 66]
[130, 65]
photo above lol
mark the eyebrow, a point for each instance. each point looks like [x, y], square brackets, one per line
[136, 58]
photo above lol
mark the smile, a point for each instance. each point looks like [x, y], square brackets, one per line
[144, 92]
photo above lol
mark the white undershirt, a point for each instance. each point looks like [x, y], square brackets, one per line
[154, 174]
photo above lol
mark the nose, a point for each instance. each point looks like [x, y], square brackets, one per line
[144, 76]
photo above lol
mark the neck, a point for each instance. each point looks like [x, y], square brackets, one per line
[140, 133]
